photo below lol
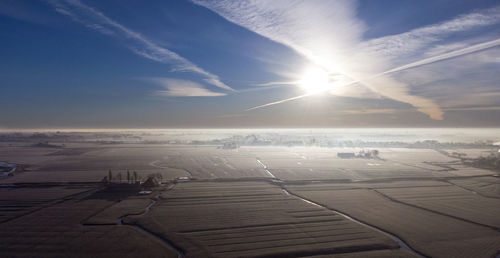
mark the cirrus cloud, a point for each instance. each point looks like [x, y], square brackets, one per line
[183, 88]
[139, 44]
[330, 35]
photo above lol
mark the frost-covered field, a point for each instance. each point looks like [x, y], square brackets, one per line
[266, 192]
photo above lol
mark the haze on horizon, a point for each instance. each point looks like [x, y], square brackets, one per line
[248, 64]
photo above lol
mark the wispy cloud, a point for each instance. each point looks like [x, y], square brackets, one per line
[393, 111]
[139, 44]
[496, 108]
[232, 115]
[183, 88]
[452, 54]
[325, 32]
[369, 111]
[277, 83]
[409, 43]
[279, 102]
[460, 80]
[311, 28]
[329, 34]
[425, 105]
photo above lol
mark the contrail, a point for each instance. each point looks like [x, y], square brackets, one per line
[280, 101]
[452, 54]
[426, 61]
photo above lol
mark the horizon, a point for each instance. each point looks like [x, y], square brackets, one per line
[229, 128]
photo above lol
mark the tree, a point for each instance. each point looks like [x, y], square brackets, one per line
[110, 176]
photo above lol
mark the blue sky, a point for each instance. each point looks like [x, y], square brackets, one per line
[202, 63]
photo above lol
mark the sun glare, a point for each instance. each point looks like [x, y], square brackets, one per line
[315, 80]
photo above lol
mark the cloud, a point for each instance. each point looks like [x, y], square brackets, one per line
[426, 105]
[497, 108]
[393, 111]
[462, 80]
[23, 11]
[232, 116]
[325, 32]
[277, 83]
[279, 102]
[136, 42]
[329, 34]
[369, 111]
[183, 88]
[444, 48]
[452, 54]
[305, 26]
[409, 43]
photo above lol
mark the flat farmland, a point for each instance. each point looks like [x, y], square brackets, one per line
[314, 163]
[56, 230]
[123, 208]
[91, 162]
[452, 201]
[466, 171]
[427, 232]
[374, 184]
[414, 156]
[17, 201]
[35, 157]
[249, 219]
[488, 186]
[210, 162]
[268, 201]
[471, 153]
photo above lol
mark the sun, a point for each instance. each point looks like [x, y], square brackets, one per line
[315, 80]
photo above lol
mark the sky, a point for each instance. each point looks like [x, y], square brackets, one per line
[249, 64]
